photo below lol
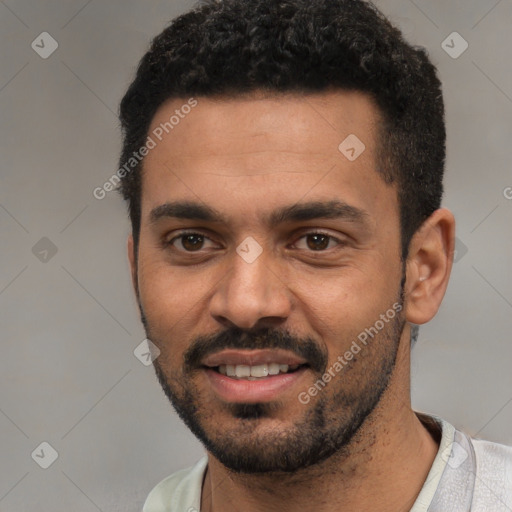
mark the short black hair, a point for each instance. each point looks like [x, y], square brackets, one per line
[232, 47]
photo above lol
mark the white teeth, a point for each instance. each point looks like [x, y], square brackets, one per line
[273, 369]
[242, 370]
[259, 371]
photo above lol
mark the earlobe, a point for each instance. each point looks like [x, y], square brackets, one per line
[429, 265]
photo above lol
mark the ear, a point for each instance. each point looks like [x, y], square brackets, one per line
[429, 265]
[133, 263]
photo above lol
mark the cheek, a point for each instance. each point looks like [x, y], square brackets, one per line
[346, 296]
[173, 300]
[342, 308]
[165, 313]
[157, 286]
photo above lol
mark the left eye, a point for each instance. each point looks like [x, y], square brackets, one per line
[318, 241]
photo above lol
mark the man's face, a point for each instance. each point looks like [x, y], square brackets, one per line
[262, 290]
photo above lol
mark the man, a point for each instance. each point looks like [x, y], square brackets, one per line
[283, 165]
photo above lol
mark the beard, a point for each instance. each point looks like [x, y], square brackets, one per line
[328, 424]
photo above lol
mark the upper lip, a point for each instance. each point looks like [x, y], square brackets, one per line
[252, 357]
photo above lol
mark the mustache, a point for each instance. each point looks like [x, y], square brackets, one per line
[267, 338]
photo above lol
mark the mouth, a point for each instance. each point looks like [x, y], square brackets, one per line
[253, 376]
[256, 372]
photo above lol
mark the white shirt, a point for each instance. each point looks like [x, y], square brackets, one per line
[467, 475]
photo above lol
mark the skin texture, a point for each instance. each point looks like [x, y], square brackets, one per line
[246, 157]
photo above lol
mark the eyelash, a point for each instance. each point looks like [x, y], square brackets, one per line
[183, 234]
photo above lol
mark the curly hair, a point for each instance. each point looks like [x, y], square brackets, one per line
[232, 47]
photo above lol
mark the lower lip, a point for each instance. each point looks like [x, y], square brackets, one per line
[252, 391]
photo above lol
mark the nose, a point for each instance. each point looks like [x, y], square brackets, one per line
[251, 295]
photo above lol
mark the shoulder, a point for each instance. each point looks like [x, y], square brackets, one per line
[179, 492]
[490, 452]
[493, 482]
[467, 473]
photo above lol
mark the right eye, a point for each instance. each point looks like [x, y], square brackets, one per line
[190, 241]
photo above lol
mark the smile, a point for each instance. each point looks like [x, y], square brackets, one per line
[250, 376]
[260, 371]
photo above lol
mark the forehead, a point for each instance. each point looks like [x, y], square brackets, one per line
[301, 123]
[259, 150]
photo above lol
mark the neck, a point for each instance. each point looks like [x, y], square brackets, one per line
[386, 462]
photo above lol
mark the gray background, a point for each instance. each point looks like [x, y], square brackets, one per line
[69, 323]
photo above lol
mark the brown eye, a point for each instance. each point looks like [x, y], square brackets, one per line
[317, 242]
[189, 241]
[192, 242]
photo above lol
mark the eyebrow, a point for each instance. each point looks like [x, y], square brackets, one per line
[334, 209]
